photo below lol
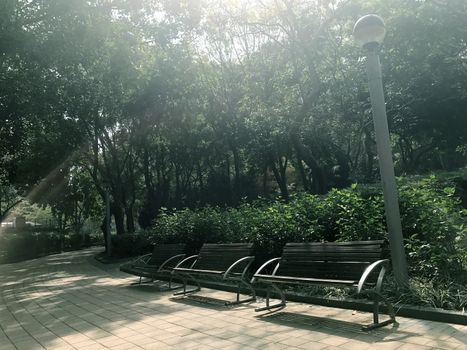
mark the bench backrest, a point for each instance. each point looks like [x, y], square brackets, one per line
[333, 260]
[218, 257]
[162, 252]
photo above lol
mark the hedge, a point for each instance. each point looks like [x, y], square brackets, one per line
[433, 223]
[28, 245]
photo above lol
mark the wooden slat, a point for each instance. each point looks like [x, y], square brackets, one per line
[292, 270]
[330, 244]
[300, 280]
[336, 261]
[364, 248]
[221, 256]
[162, 252]
[199, 271]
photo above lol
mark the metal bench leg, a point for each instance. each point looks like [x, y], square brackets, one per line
[185, 291]
[268, 294]
[376, 324]
[238, 301]
[170, 284]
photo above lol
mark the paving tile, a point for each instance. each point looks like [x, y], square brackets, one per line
[28, 345]
[275, 346]
[79, 305]
[110, 341]
[84, 344]
[6, 346]
[334, 340]
[408, 346]
[357, 345]
[294, 341]
[125, 346]
[160, 346]
[447, 345]
[313, 345]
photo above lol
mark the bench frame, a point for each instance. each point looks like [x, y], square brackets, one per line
[373, 293]
[186, 273]
[141, 267]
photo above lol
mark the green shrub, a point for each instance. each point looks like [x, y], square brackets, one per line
[128, 245]
[28, 245]
[350, 216]
[73, 242]
[87, 242]
[434, 224]
[194, 227]
[430, 292]
[434, 229]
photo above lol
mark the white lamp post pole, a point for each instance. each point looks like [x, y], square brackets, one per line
[369, 31]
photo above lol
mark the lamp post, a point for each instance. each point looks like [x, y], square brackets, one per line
[369, 32]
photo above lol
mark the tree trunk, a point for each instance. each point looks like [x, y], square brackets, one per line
[104, 230]
[301, 171]
[130, 220]
[237, 185]
[280, 179]
[369, 156]
[319, 183]
[178, 189]
[265, 180]
[117, 212]
[200, 176]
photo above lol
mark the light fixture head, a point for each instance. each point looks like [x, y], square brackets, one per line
[369, 30]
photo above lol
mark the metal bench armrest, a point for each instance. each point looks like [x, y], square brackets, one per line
[369, 270]
[179, 256]
[193, 257]
[248, 259]
[264, 266]
[143, 258]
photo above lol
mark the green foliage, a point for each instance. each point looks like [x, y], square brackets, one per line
[352, 216]
[131, 245]
[212, 102]
[431, 292]
[434, 228]
[33, 243]
[432, 219]
[194, 227]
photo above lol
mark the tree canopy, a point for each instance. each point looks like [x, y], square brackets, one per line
[166, 103]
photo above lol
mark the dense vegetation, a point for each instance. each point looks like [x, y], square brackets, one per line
[433, 223]
[186, 103]
[210, 104]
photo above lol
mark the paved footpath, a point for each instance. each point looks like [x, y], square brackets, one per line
[69, 301]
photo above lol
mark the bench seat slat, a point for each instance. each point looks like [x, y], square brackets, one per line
[229, 262]
[334, 247]
[199, 271]
[318, 262]
[340, 264]
[221, 256]
[323, 256]
[153, 267]
[340, 244]
[289, 279]
[321, 270]
[162, 252]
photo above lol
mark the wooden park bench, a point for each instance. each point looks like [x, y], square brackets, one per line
[359, 265]
[228, 262]
[158, 264]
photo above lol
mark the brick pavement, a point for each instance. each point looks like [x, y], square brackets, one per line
[69, 301]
